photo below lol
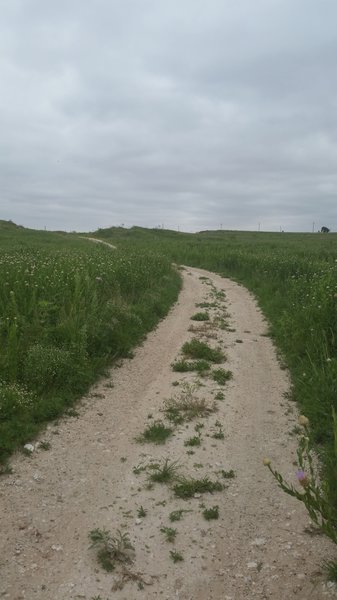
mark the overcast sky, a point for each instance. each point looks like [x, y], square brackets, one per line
[182, 113]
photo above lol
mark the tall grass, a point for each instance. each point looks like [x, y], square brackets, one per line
[67, 309]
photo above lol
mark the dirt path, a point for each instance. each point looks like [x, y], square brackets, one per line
[97, 241]
[93, 477]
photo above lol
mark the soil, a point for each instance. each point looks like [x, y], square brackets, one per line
[262, 544]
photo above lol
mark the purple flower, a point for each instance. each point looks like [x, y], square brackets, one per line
[302, 478]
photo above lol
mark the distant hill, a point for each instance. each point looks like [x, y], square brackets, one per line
[9, 225]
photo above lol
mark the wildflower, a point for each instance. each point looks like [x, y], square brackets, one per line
[303, 420]
[302, 478]
[266, 462]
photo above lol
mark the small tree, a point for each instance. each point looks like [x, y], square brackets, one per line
[325, 229]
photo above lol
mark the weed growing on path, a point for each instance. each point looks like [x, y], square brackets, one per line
[184, 366]
[166, 472]
[156, 433]
[205, 330]
[211, 513]
[111, 549]
[44, 445]
[221, 376]
[176, 515]
[197, 349]
[139, 469]
[200, 316]
[170, 534]
[193, 441]
[141, 512]
[218, 434]
[221, 323]
[176, 556]
[228, 474]
[186, 407]
[206, 305]
[186, 488]
[198, 427]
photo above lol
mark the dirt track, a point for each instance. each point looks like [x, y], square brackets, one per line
[258, 548]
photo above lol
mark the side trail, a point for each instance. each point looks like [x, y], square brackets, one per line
[204, 516]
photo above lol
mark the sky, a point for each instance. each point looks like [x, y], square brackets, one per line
[185, 114]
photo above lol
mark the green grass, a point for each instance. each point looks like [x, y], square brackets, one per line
[211, 513]
[200, 350]
[200, 316]
[155, 433]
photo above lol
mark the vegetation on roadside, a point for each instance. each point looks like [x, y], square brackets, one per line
[68, 308]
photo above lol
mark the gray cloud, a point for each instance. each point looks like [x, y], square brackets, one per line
[174, 113]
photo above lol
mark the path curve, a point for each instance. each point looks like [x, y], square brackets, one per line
[97, 241]
[92, 477]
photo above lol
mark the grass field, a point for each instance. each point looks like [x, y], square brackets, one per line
[68, 307]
